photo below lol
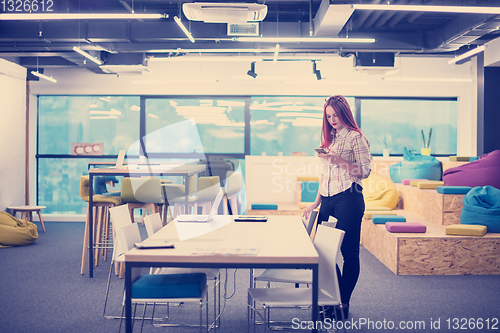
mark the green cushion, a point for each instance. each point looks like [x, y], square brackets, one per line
[265, 206]
[382, 219]
[169, 285]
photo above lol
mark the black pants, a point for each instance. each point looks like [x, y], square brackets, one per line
[348, 207]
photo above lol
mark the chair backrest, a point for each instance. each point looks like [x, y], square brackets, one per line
[153, 223]
[120, 217]
[309, 222]
[327, 242]
[142, 190]
[84, 188]
[233, 182]
[127, 237]
[208, 188]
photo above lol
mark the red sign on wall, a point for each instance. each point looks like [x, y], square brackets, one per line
[86, 148]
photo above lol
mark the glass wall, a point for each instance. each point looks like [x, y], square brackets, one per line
[216, 126]
[399, 123]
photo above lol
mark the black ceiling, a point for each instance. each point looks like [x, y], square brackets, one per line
[49, 43]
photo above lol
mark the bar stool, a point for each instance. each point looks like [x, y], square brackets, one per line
[101, 205]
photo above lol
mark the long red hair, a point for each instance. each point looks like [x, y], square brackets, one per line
[343, 110]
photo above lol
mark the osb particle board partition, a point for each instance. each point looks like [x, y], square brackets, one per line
[433, 252]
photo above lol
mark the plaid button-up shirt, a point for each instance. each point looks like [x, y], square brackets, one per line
[352, 147]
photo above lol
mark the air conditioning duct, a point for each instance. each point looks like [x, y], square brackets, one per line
[209, 12]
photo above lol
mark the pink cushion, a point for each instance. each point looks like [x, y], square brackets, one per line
[405, 227]
[407, 181]
[481, 172]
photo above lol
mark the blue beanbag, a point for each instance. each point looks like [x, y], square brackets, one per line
[482, 207]
[381, 219]
[453, 189]
[416, 167]
[169, 285]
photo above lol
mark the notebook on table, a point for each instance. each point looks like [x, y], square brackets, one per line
[202, 218]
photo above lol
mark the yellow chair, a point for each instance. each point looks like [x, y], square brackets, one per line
[207, 189]
[379, 192]
[142, 193]
[101, 205]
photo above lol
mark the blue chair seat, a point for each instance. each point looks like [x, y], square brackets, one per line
[453, 189]
[382, 219]
[169, 285]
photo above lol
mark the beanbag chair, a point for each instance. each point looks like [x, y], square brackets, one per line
[481, 206]
[482, 172]
[416, 167]
[15, 232]
[379, 192]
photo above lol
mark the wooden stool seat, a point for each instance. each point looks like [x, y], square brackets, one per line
[27, 213]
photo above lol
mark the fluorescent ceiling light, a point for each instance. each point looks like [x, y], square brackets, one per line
[40, 75]
[434, 9]
[304, 40]
[153, 116]
[87, 55]
[425, 79]
[79, 16]
[104, 117]
[467, 54]
[276, 52]
[183, 28]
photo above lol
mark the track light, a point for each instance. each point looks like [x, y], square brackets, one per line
[316, 71]
[183, 28]
[87, 55]
[45, 77]
[251, 72]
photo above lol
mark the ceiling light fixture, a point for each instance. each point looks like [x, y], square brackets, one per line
[276, 52]
[435, 9]
[87, 55]
[467, 54]
[304, 40]
[251, 72]
[316, 71]
[425, 79]
[40, 75]
[188, 34]
[78, 16]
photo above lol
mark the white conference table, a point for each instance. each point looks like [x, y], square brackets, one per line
[164, 169]
[281, 242]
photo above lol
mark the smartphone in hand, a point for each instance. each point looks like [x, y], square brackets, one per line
[321, 150]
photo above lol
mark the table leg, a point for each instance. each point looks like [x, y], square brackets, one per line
[315, 290]
[41, 220]
[128, 298]
[91, 225]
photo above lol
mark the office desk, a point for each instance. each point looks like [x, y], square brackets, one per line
[281, 242]
[185, 170]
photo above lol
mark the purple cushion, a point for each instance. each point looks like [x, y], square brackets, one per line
[407, 181]
[405, 227]
[482, 172]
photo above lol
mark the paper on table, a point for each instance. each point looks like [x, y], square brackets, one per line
[187, 230]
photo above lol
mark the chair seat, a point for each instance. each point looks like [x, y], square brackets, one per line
[286, 297]
[382, 219]
[169, 286]
[405, 227]
[212, 273]
[466, 230]
[286, 275]
[453, 189]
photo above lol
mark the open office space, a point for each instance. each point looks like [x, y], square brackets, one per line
[219, 86]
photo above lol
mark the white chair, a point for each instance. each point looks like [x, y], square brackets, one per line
[153, 223]
[207, 190]
[162, 288]
[327, 243]
[120, 217]
[296, 276]
[232, 189]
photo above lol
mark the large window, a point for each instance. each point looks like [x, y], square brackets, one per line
[215, 125]
[399, 123]
[287, 124]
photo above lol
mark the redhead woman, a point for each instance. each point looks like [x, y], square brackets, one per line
[346, 162]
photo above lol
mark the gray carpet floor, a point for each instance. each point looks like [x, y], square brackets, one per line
[42, 290]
